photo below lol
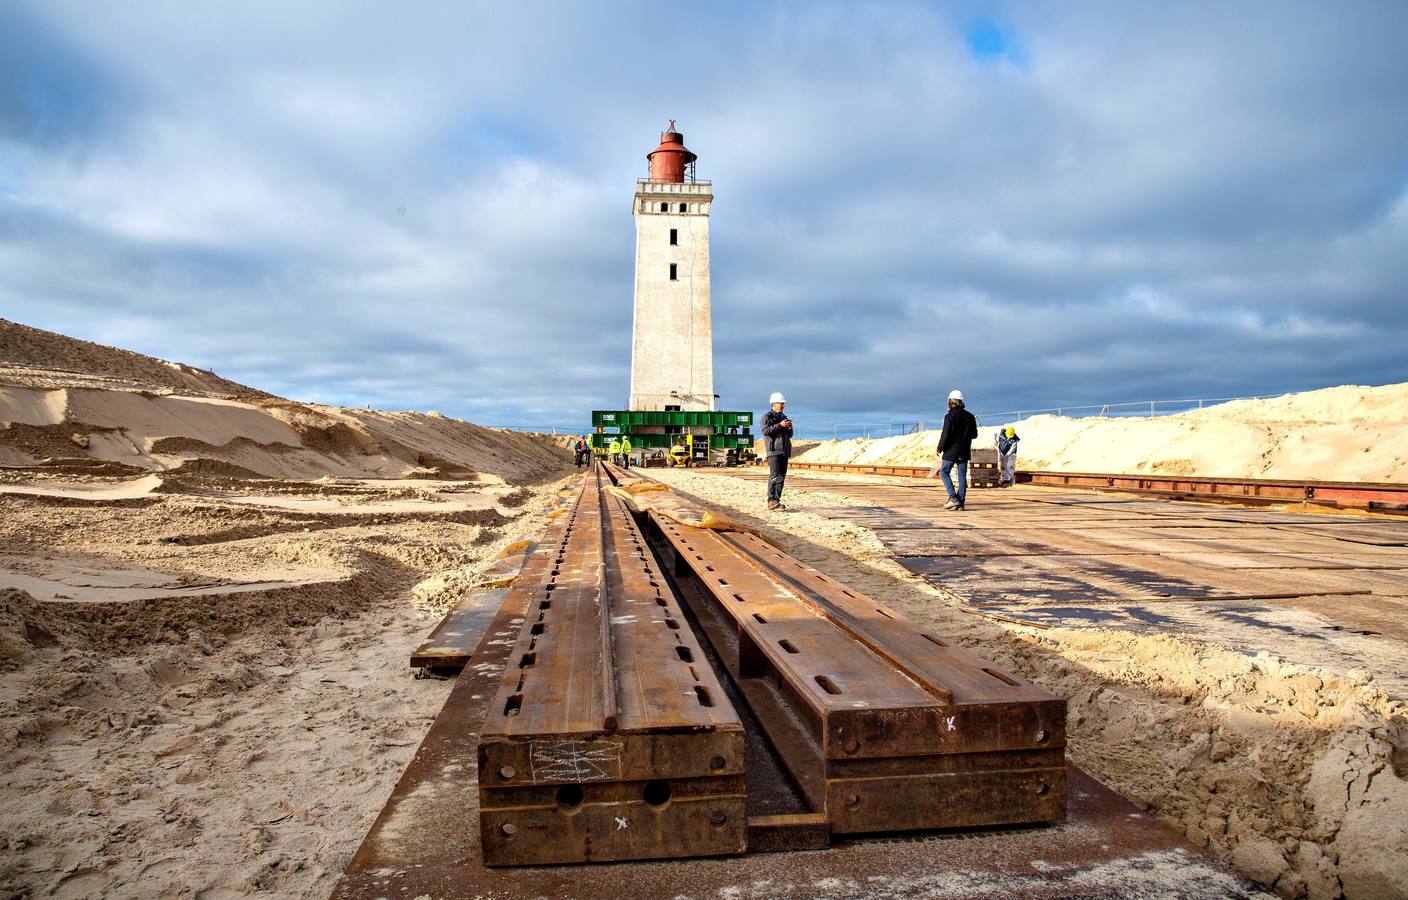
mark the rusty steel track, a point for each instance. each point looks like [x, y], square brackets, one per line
[1377, 497]
[608, 738]
[884, 726]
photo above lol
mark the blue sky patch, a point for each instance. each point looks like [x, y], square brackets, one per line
[990, 41]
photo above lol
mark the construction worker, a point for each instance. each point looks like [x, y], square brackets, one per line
[777, 431]
[1006, 441]
[956, 448]
[615, 449]
[625, 451]
[581, 449]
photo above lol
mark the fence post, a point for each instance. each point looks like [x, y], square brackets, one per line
[1151, 407]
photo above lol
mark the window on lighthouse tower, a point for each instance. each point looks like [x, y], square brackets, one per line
[674, 272]
[674, 237]
[664, 207]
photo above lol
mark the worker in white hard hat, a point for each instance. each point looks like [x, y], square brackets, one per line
[777, 432]
[956, 448]
[1006, 442]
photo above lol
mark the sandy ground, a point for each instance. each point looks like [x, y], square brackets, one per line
[1295, 774]
[207, 698]
[208, 595]
[1345, 433]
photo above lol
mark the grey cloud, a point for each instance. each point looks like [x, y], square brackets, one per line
[431, 209]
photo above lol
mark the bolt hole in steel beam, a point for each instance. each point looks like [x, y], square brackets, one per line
[538, 628]
[884, 612]
[1042, 788]
[672, 624]
[827, 685]
[569, 797]
[852, 801]
[514, 704]
[761, 620]
[509, 829]
[507, 772]
[528, 661]
[787, 645]
[705, 699]
[656, 793]
[933, 640]
[717, 763]
[718, 819]
[684, 653]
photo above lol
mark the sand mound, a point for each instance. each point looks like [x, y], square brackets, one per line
[66, 404]
[38, 356]
[1345, 433]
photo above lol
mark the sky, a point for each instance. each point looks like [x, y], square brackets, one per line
[428, 205]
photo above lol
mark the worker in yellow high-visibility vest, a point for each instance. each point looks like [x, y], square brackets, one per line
[625, 451]
[615, 448]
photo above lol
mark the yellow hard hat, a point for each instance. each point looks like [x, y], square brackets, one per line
[1011, 432]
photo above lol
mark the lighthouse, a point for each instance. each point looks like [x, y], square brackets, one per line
[672, 340]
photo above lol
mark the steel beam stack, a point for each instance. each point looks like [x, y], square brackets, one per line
[610, 738]
[884, 726]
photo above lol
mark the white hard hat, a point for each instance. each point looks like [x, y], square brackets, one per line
[955, 394]
[777, 397]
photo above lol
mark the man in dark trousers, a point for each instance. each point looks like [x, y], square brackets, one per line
[956, 448]
[777, 431]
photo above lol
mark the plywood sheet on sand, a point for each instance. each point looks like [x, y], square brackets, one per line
[1104, 579]
[1384, 616]
[1386, 534]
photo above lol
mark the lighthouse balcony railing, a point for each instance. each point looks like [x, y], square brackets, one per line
[646, 186]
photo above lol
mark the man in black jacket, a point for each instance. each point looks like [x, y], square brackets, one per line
[777, 431]
[956, 448]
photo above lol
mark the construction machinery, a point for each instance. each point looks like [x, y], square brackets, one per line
[708, 437]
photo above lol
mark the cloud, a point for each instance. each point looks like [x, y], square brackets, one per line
[430, 208]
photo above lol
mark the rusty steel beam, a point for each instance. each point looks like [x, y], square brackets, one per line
[610, 737]
[884, 726]
[1353, 495]
[1346, 494]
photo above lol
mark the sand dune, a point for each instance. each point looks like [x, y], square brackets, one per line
[1348, 433]
[152, 415]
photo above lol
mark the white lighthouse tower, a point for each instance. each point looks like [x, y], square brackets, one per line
[672, 340]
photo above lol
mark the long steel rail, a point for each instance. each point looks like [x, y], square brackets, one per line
[1373, 496]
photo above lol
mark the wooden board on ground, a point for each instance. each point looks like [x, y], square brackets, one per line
[1386, 616]
[1092, 579]
[1387, 534]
